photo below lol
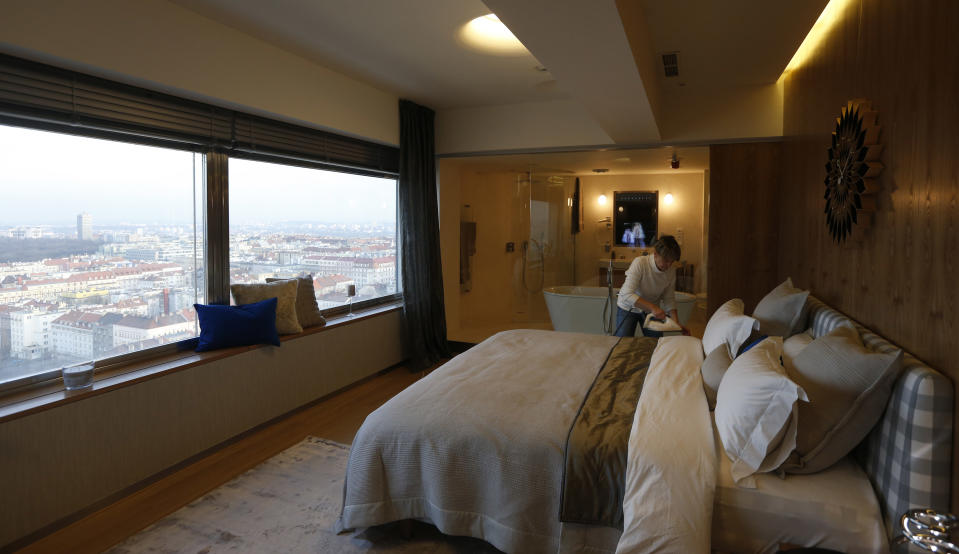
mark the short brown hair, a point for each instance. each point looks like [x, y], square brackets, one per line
[667, 247]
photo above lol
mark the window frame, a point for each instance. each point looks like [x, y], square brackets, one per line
[32, 113]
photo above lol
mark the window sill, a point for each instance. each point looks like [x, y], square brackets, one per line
[51, 394]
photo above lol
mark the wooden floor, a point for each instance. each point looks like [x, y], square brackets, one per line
[336, 418]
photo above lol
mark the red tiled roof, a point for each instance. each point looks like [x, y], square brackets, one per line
[75, 318]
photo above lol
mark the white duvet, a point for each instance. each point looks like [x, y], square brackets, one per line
[672, 463]
[477, 448]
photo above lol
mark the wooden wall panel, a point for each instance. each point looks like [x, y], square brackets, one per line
[900, 278]
[743, 222]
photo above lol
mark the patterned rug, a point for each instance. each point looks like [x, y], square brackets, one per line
[287, 504]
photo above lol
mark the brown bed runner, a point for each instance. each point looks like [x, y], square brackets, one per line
[595, 468]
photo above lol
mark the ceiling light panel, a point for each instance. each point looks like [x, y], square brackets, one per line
[487, 34]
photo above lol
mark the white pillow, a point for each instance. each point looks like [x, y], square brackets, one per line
[793, 346]
[713, 368]
[756, 410]
[729, 326]
[782, 312]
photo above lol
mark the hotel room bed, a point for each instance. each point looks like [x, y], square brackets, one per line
[478, 448]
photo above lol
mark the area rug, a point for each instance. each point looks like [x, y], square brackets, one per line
[287, 504]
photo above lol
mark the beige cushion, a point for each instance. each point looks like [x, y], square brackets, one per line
[713, 369]
[307, 311]
[729, 326]
[848, 387]
[285, 294]
[781, 312]
[756, 411]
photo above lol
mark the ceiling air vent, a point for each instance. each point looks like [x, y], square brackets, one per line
[671, 64]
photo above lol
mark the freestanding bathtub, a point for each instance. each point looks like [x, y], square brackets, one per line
[580, 309]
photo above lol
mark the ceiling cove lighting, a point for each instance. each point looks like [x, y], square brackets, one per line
[487, 34]
[820, 29]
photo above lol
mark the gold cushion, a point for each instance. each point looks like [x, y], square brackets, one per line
[307, 311]
[285, 294]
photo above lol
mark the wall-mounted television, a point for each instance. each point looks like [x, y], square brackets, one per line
[635, 218]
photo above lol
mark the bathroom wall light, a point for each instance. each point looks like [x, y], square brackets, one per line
[601, 200]
[668, 199]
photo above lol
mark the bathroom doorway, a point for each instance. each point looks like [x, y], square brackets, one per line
[508, 231]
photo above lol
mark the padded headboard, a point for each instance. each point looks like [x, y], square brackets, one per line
[908, 455]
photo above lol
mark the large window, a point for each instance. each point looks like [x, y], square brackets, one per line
[289, 221]
[121, 207]
[101, 249]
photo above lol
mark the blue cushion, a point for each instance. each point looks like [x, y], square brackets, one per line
[225, 326]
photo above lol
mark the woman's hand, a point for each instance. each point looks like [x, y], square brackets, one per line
[658, 313]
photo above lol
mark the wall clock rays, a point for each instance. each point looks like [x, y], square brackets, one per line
[852, 169]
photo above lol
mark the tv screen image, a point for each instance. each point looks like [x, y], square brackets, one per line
[635, 218]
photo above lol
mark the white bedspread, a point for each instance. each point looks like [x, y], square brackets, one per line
[477, 447]
[672, 464]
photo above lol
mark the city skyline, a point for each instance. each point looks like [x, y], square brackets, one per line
[136, 294]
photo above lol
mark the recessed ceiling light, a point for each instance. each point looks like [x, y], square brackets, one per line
[487, 34]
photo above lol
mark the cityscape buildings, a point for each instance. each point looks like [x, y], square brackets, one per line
[138, 288]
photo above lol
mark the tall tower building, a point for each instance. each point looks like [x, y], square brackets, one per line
[84, 227]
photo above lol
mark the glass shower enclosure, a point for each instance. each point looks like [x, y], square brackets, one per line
[542, 210]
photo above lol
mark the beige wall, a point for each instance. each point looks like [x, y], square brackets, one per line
[160, 45]
[723, 114]
[532, 125]
[685, 213]
[61, 460]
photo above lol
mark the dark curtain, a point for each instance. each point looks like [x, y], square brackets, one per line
[420, 239]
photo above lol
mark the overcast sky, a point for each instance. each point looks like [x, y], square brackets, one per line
[48, 178]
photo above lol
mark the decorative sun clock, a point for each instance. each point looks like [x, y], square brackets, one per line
[852, 170]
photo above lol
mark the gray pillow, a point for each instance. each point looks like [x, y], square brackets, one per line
[848, 387]
[781, 313]
[713, 369]
[307, 311]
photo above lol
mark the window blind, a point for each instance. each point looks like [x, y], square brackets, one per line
[266, 138]
[43, 96]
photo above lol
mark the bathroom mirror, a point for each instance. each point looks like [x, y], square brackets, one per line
[635, 218]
